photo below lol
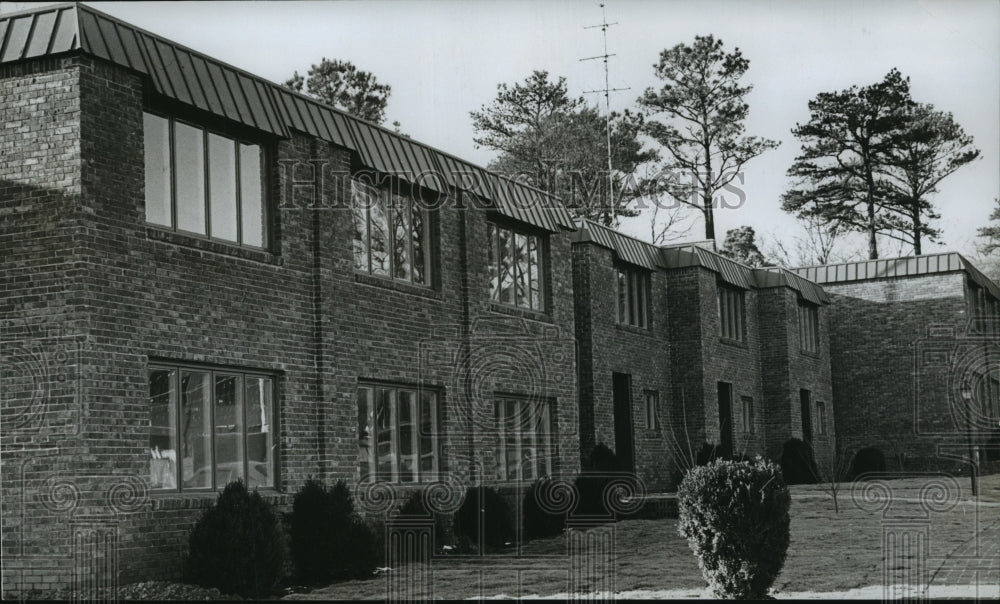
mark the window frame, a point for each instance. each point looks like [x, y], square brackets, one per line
[821, 418]
[373, 475]
[633, 288]
[808, 321]
[542, 450]
[730, 320]
[238, 141]
[651, 402]
[495, 265]
[749, 414]
[389, 191]
[214, 371]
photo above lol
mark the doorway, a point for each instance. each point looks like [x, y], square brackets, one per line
[624, 446]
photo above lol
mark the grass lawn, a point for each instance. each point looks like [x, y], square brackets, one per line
[829, 552]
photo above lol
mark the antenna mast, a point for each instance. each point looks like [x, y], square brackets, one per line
[607, 90]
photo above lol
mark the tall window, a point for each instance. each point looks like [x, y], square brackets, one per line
[516, 267]
[652, 409]
[398, 434]
[732, 315]
[749, 422]
[524, 439]
[204, 182]
[209, 427]
[391, 234]
[808, 327]
[820, 417]
[633, 297]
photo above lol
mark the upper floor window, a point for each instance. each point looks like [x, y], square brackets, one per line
[398, 433]
[808, 327]
[516, 267]
[820, 417]
[732, 313]
[652, 409]
[209, 427]
[203, 182]
[633, 297]
[984, 310]
[524, 450]
[391, 234]
[749, 420]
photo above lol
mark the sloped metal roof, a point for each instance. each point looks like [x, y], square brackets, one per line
[908, 266]
[730, 271]
[200, 81]
[627, 249]
[781, 277]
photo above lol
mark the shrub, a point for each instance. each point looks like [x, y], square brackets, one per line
[329, 540]
[598, 469]
[536, 522]
[708, 453]
[867, 460]
[498, 525]
[237, 545]
[735, 518]
[797, 463]
[416, 507]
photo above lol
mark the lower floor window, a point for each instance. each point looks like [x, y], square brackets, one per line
[525, 439]
[821, 417]
[210, 427]
[398, 433]
[748, 414]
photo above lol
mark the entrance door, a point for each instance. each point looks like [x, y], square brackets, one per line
[805, 401]
[726, 418]
[622, 387]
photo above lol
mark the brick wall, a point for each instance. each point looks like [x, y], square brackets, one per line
[897, 346]
[79, 256]
[607, 348]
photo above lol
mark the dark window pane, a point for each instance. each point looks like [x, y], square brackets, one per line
[384, 428]
[407, 443]
[534, 278]
[189, 178]
[521, 284]
[622, 297]
[222, 186]
[156, 143]
[360, 200]
[229, 429]
[506, 249]
[366, 431]
[260, 431]
[428, 436]
[492, 269]
[162, 429]
[196, 438]
[252, 196]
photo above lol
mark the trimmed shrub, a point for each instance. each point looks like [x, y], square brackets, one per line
[498, 524]
[535, 521]
[601, 459]
[237, 545]
[708, 453]
[598, 469]
[416, 507]
[869, 459]
[734, 516]
[797, 463]
[329, 540]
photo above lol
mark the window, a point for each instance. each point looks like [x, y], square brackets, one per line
[204, 182]
[808, 327]
[731, 313]
[516, 268]
[820, 417]
[398, 434]
[524, 447]
[749, 424]
[209, 427]
[391, 234]
[633, 297]
[652, 409]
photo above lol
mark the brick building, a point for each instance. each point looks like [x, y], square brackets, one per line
[915, 353]
[207, 276]
[681, 346]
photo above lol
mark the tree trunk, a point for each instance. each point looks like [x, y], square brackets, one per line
[709, 218]
[916, 231]
[872, 242]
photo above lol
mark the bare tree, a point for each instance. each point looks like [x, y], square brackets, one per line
[818, 243]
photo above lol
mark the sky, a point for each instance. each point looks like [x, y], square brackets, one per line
[444, 58]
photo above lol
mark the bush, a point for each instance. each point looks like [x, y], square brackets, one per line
[237, 545]
[797, 463]
[735, 518]
[498, 525]
[329, 540]
[867, 460]
[708, 453]
[536, 522]
[416, 507]
[598, 469]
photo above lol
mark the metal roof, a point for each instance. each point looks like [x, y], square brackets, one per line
[781, 277]
[200, 81]
[730, 271]
[907, 266]
[627, 249]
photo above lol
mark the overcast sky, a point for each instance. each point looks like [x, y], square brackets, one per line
[444, 58]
